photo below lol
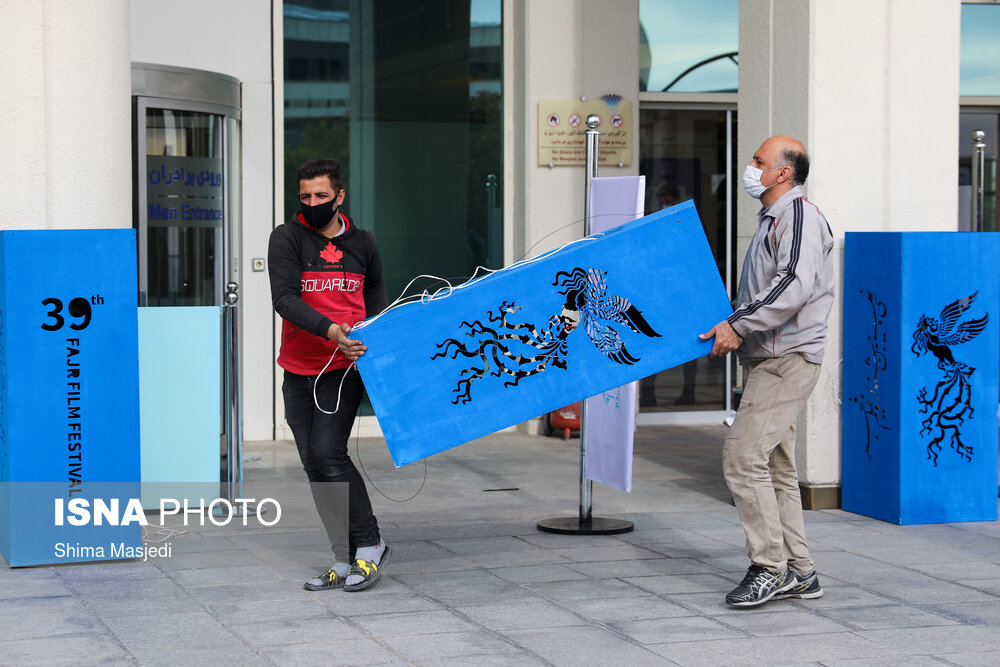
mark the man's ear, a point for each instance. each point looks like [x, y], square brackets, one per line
[341, 196]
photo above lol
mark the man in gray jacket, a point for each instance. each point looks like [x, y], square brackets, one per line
[779, 332]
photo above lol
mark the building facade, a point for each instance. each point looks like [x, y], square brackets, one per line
[433, 107]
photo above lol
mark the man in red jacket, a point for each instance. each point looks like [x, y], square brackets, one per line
[326, 276]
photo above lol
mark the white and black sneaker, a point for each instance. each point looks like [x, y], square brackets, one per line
[760, 585]
[806, 587]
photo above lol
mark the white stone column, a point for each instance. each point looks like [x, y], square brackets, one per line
[559, 50]
[871, 88]
[65, 119]
[188, 33]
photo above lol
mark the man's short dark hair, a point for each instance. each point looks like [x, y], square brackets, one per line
[320, 167]
[799, 162]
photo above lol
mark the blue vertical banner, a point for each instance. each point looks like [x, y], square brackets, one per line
[69, 397]
[920, 388]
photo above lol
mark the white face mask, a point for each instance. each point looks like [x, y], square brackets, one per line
[751, 181]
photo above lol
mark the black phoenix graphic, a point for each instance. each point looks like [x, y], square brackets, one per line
[519, 350]
[951, 403]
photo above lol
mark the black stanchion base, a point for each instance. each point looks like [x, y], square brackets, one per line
[574, 525]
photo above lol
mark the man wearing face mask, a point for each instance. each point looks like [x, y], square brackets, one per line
[326, 276]
[779, 332]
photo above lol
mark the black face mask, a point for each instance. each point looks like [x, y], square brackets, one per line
[320, 215]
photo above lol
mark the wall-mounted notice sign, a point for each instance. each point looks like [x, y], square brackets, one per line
[183, 191]
[561, 125]
[69, 396]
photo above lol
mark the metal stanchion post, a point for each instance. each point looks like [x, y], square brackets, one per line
[590, 171]
[978, 182]
[234, 402]
[978, 179]
[494, 225]
[586, 523]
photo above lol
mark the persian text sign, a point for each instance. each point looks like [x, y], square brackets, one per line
[561, 126]
[184, 191]
[603, 312]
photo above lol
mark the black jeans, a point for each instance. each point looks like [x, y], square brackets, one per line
[322, 441]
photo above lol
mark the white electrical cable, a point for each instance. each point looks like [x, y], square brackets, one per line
[164, 533]
[450, 289]
[339, 388]
[425, 297]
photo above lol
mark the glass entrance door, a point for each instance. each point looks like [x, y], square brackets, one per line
[184, 207]
[186, 184]
[690, 154]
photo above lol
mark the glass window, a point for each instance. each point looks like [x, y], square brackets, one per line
[406, 95]
[686, 154]
[980, 51]
[688, 47]
[184, 236]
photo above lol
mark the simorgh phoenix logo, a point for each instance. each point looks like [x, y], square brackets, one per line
[520, 350]
[951, 403]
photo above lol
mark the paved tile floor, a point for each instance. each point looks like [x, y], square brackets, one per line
[473, 582]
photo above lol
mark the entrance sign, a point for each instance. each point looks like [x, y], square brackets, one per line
[590, 317]
[69, 399]
[184, 191]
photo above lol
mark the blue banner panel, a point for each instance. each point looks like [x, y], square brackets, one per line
[921, 369]
[69, 371]
[595, 315]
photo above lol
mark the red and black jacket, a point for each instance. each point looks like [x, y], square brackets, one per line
[317, 281]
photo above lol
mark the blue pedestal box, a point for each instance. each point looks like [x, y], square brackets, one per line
[920, 383]
[69, 396]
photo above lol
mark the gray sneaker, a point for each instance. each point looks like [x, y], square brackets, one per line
[760, 585]
[806, 587]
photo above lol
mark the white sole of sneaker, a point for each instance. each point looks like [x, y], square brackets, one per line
[800, 596]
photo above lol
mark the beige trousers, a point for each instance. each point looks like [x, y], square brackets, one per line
[759, 461]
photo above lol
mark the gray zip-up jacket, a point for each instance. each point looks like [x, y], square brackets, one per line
[786, 288]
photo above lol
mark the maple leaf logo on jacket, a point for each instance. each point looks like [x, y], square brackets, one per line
[331, 254]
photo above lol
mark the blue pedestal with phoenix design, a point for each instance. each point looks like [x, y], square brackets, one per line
[920, 387]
